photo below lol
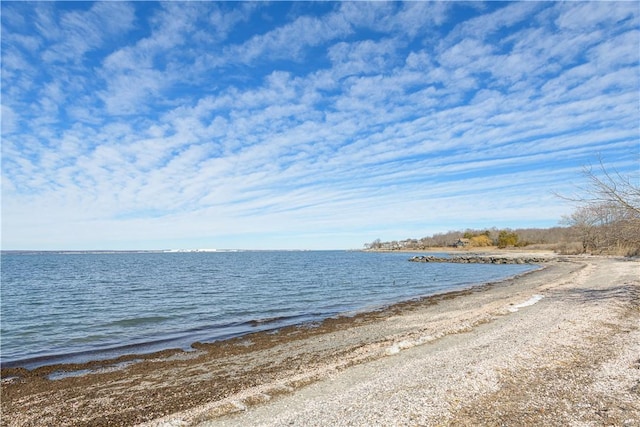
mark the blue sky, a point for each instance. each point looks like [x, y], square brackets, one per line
[305, 125]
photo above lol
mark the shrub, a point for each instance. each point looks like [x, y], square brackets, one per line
[507, 238]
[481, 241]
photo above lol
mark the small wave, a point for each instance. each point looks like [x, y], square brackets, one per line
[137, 321]
[289, 320]
[267, 320]
[89, 339]
[84, 356]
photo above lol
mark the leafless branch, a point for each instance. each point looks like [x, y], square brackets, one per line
[607, 188]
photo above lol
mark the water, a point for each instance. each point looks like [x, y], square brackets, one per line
[77, 307]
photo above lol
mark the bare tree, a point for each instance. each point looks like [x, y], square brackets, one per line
[608, 215]
[610, 188]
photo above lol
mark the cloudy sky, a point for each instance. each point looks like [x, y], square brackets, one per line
[305, 125]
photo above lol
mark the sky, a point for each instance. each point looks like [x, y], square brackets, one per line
[306, 125]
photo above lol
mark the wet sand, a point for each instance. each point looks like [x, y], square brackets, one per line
[557, 346]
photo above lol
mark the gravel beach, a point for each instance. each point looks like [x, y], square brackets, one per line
[559, 346]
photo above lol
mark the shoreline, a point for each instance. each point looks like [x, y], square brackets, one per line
[232, 378]
[20, 369]
[92, 359]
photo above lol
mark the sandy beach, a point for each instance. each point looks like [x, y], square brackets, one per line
[559, 346]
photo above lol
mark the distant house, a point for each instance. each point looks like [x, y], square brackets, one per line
[462, 243]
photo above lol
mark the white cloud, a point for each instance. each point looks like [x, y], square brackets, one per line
[9, 119]
[487, 25]
[621, 50]
[78, 32]
[364, 57]
[588, 16]
[137, 75]
[224, 21]
[289, 40]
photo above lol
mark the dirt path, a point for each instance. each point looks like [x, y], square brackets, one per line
[556, 347]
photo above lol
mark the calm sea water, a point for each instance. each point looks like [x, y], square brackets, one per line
[76, 307]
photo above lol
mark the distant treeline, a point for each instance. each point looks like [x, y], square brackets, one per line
[563, 239]
[620, 238]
